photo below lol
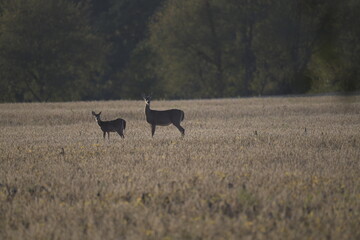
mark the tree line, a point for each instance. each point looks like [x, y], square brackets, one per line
[68, 50]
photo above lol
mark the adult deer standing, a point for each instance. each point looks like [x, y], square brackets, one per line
[163, 118]
[117, 125]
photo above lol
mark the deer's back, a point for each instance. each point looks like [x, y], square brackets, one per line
[166, 117]
[113, 126]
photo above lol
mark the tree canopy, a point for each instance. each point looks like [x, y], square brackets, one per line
[63, 50]
[48, 51]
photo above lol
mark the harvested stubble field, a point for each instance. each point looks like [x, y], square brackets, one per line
[246, 169]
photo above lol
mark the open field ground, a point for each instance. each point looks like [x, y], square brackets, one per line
[246, 169]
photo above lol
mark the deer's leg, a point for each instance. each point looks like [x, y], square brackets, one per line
[108, 135]
[181, 129]
[120, 132]
[104, 134]
[153, 129]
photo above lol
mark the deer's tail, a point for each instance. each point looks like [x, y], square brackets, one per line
[182, 116]
[124, 124]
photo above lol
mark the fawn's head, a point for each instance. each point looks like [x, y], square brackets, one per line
[97, 116]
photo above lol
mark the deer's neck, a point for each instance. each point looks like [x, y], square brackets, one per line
[147, 111]
[99, 121]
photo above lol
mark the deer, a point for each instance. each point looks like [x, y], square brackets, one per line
[117, 125]
[163, 118]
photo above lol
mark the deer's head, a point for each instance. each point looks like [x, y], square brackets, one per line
[97, 116]
[147, 99]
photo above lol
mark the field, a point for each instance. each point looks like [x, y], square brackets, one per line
[255, 168]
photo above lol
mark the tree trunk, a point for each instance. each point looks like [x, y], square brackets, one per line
[249, 58]
[218, 85]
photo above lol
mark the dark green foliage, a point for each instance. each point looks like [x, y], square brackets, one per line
[48, 51]
[89, 49]
[221, 48]
[111, 49]
[123, 24]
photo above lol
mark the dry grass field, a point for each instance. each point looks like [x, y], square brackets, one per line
[246, 169]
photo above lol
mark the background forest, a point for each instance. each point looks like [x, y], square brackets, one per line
[67, 50]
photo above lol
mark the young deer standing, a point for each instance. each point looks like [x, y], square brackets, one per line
[117, 125]
[163, 118]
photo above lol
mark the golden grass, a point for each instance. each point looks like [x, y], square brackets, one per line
[245, 169]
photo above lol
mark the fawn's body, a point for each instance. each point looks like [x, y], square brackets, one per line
[117, 125]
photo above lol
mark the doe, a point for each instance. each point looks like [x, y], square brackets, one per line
[163, 118]
[117, 125]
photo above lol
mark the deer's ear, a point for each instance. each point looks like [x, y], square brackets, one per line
[93, 113]
[99, 113]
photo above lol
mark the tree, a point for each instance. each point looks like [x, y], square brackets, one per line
[48, 51]
[206, 47]
[286, 42]
[215, 48]
[124, 24]
[349, 46]
[190, 40]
